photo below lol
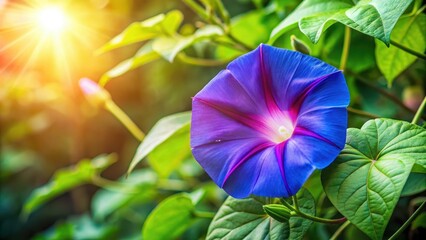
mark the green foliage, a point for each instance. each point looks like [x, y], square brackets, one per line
[416, 183]
[409, 32]
[246, 219]
[162, 24]
[171, 217]
[166, 145]
[365, 181]
[382, 165]
[66, 179]
[372, 17]
[144, 55]
[138, 187]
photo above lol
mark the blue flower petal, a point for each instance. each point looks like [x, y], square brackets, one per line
[264, 124]
[327, 123]
[209, 125]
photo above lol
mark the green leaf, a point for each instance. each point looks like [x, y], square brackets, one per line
[167, 144]
[170, 218]
[169, 46]
[420, 221]
[144, 55]
[66, 179]
[375, 18]
[246, 219]
[145, 30]
[309, 8]
[259, 21]
[365, 181]
[106, 202]
[409, 32]
[416, 183]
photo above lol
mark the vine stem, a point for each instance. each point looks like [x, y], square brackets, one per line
[383, 92]
[340, 230]
[124, 119]
[361, 113]
[419, 112]
[296, 204]
[204, 214]
[113, 185]
[313, 218]
[407, 223]
[408, 50]
[346, 46]
[201, 61]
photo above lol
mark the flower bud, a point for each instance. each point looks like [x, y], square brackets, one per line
[278, 212]
[412, 96]
[94, 93]
[299, 45]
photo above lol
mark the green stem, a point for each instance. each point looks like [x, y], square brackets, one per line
[223, 12]
[197, 9]
[173, 185]
[203, 214]
[419, 112]
[346, 46]
[313, 218]
[296, 204]
[242, 44]
[113, 185]
[408, 50]
[202, 62]
[361, 113]
[382, 91]
[340, 230]
[125, 120]
[407, 223]
[230, 45]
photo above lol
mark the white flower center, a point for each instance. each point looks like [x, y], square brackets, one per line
[284, 133]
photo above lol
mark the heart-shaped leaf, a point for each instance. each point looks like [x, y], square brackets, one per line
[365, 181]
[246, 219]
[372, 17]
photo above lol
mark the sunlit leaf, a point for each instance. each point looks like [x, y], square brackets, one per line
[66, 179]
[140, 31]
[138, 187]
[246, 219]
[409, 32]
[170, 46]
[372, 17]
[365, 181]
[168, 142]
[145, 55]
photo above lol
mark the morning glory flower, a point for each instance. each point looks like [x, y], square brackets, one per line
[266, 122]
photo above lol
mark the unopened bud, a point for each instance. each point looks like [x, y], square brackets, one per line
[299, 45]
[278, 212]
[94, 93]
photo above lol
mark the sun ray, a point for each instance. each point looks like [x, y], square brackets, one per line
[47, 35]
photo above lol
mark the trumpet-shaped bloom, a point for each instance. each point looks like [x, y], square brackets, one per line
[265, 123]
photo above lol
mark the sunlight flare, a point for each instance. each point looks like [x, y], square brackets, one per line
[51, 19]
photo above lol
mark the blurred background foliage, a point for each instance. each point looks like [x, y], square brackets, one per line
[46, 124]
